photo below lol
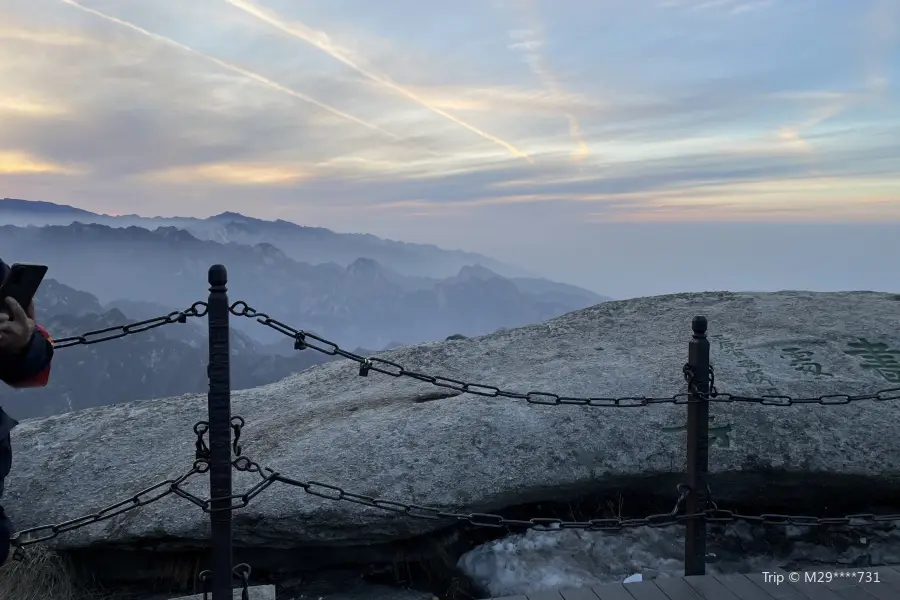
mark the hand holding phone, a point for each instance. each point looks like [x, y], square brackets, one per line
[21, 285]
[16, 306]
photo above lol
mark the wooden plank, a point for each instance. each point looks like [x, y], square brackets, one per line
[580, 593]
[776, 591]
[742, 587]
[709, 588]
[850, 588]
[676, 588]
[888, 577]
[812, 590]
[877, 583]
[545, 595]
[612, 591]
[874, 591]
[852, 593]
[860, 587]
[645, 590]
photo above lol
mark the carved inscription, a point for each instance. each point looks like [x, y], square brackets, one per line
[802, 360]
[753, 372]
[878, 357]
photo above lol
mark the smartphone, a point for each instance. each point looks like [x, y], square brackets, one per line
[21, 284]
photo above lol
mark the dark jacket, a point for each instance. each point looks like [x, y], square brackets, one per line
[29, 368]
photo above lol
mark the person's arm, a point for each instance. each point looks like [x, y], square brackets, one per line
[31, 367]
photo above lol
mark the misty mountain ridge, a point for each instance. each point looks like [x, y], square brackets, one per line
[361, 304]
[169, 359]
[313, 245]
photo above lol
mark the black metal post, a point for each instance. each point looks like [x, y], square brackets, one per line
[697, 449]
[219, 402]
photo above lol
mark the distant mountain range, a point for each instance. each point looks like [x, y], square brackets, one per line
[313, 245]
[363, 303]
[358, 290]
[168, 360]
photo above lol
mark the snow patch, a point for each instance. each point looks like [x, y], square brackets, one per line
[538, 561]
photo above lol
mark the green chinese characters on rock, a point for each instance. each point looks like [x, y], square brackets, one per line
[802, 360]
[720, 434]
[878, 357]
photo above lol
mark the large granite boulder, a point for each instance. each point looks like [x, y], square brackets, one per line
[394, 438]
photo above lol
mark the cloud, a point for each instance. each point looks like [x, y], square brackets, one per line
[734, 7]
[323, 42]
[13, 162]
[881, 25]
[529, 41]
[232, 67]
[197, 107]
[231, 174]
[18, 105]
[41, 37]
[879, 34]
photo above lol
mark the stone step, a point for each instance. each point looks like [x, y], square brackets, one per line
[257, 592]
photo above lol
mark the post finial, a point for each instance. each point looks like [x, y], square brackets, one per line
[218, 275]
[699, 324]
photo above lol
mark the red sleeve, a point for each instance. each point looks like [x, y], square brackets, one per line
[41, 377]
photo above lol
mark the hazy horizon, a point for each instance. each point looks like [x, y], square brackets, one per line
[665, 258]
[636, 148]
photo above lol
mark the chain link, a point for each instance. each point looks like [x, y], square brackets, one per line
[304, 339]
[242, 572]
[200, 429]
[418, 511]
[236, 424]
[332, 492]
[714, 395]
[197, 309]
[718, 515]
[205, 578]
[241, 463]
[147, 496]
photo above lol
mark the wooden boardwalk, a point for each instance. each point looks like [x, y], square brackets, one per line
[873, 583]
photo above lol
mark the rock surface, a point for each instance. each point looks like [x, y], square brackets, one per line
[370, 435]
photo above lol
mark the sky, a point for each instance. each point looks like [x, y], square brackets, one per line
[620, 145]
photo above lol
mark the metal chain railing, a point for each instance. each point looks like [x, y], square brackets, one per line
[268, 477]
[714, 514]
[306, 340]
[714, 395]
[335, 493]
[197, 309]
[154, 493]
[302, 340]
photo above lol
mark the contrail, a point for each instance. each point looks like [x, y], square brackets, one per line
[539, 67]
[234, 68]
[881, 32]
[320, 41]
